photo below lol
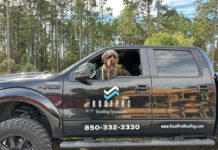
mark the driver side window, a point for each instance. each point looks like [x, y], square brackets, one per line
[119, 63]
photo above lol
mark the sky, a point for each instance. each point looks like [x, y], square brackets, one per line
[183, 6]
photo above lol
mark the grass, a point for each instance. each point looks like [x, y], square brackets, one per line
[3, 73]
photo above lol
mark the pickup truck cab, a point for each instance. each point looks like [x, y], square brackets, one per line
[171, 92]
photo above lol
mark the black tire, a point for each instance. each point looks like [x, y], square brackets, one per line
[23, 134]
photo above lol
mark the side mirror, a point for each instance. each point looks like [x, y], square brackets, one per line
[82, 72]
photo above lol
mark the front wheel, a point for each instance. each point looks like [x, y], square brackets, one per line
[23, 134]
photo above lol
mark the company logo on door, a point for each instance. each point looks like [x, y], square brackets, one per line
[109, 102]
[113, 91]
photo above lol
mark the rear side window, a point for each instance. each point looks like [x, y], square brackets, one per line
[175, 63]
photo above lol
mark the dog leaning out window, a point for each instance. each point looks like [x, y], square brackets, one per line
[112, 64]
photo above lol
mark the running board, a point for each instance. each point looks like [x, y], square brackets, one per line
[126, 143]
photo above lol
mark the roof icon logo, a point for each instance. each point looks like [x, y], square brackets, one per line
[113, 91]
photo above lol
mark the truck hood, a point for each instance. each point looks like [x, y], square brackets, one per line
[22, 76]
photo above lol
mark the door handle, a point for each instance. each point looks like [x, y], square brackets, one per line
[142, 88]
[203, 88]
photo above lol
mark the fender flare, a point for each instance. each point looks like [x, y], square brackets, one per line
[38, 100]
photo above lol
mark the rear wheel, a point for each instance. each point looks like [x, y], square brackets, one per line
[23, 134]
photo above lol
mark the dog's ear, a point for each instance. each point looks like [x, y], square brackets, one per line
[117, 56]
[103, 57]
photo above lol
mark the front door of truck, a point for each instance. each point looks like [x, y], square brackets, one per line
[116, 106]
[182, 93]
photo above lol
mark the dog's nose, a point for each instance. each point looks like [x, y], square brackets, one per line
[113, 61]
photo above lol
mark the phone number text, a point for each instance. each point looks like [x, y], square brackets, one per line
[112, 127]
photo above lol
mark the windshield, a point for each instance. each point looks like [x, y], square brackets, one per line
[73, 65]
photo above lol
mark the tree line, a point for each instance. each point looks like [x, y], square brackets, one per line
[49, 35]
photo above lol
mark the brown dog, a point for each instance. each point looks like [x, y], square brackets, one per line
[109, 69]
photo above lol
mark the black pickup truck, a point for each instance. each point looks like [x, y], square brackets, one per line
[170, 93]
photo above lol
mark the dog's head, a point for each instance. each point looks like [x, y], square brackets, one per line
[110, 58]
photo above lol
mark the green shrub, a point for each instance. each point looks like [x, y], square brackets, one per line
[4, 65]
[29, 68]
[166, 39]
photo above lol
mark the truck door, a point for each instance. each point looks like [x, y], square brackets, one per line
[182, 92]
[116, 106]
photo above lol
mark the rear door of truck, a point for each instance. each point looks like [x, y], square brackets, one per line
[183, 98]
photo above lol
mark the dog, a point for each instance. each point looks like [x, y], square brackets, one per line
[109, 68]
